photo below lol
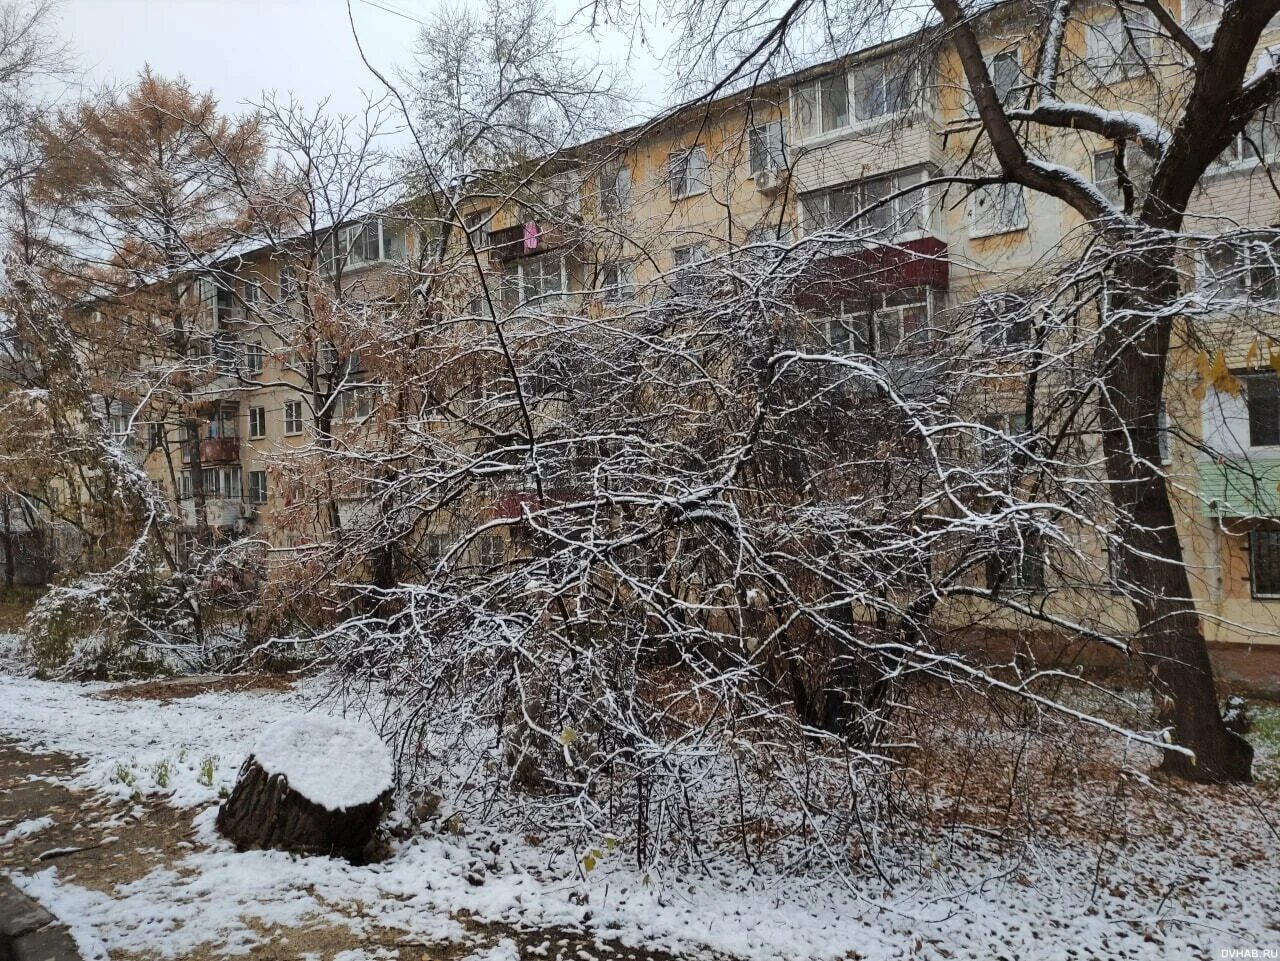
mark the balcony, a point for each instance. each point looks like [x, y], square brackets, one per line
[874, 269]
[524, 240]
[220, 450]
[220, 512]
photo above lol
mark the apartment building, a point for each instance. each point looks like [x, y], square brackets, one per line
[620, 216]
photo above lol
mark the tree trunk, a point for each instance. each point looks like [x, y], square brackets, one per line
[264, 812]
[1170, 635]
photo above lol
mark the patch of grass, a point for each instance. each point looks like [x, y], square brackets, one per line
[1265, 737]
[124, 774]
[207, 764]
[160, 773]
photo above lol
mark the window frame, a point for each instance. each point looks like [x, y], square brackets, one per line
[255, 357]
[1108, 57]
[293, 418]
[974, 217]
[763, 154]
[257, 431]
[257, 493]
[623, 286]
[688, 186]
[909, 216]
[1254, 538]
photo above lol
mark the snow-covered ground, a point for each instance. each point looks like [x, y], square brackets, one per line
[1164, 893]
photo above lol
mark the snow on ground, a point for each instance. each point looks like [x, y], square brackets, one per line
[25, 829]
[1156, 896]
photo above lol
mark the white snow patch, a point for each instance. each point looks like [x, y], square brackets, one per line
[25, 830]
[504, 950]
[1178, 889]
[335, 763]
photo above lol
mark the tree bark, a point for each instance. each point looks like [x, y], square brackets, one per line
[1170, 637]
[264, 812]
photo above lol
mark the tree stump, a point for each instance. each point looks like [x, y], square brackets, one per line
[313, 785]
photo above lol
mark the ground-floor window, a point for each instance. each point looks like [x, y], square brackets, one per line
[1264, 563]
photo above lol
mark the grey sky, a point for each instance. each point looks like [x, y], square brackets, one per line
[239, 48]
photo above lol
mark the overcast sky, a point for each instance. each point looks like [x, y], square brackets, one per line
[238, 48]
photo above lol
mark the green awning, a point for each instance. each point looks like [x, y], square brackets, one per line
[1240, 488]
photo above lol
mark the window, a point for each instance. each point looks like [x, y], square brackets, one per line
[1243, 268]
[882, 87]
[530, 278]
[1019, 564]
[355, 403]
[436, 546]
[688, 173]
[1138, 166]
[997, 209]
[616, 280]
[1258, 142]
[491, 550]
[562, 194]
[878, 324]
[766, 147]
[288, 283]
[363, 243]
[820, 106]
[1201, 18]
[293, 417]
[689, 254]
[226, 307]
[121, 421]
[1003, 320]
[1005, 69]
[257, 423]
[255, 356]
[252, 296]
[221, 482]
[155, 436]
[1264, 563]
[184, 485]
[1262, 394]
[227, 351]
[1120, 47]
[843, 206]
[257, 487]
[615, 189]
[473, 222]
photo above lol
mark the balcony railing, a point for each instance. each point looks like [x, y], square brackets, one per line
[220, 450]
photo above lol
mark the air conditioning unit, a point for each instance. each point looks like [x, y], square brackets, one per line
[770, 180]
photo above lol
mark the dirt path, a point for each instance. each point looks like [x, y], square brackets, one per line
[100, 844]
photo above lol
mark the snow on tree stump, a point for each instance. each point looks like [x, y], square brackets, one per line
[313, 785]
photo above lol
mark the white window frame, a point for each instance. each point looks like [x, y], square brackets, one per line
[355, 403]
[1243, 274]
[258, 430]
[915, 206]
[819, 125]
[258, 492]
[293, 421]
[514, 285]
[255, 358]
[993, 61]
[840, 328]
[766, 147]
[1106, 178]
[983, 200]
[615, 189]
[889, 66]
[617, 280]
[694, 178]
[1120, 47]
